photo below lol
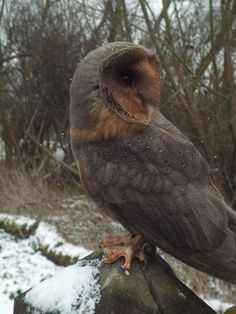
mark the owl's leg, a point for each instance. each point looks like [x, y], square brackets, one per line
[136, 240]
[127, 247]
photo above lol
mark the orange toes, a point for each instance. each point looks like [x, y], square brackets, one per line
[124, 247]
[111, 255]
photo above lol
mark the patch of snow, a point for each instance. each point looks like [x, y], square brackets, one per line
[21, 268]
[59, 154]
[214, 283]
[73, 203]
[2, 150]
[18, 220]
[6, 307]
[73, 290]
[218, 305]
[48, 236]
[21, 265]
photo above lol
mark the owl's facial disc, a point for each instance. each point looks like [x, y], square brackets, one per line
[130, 84]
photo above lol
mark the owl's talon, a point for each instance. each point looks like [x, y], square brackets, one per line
[126, 271]
[123, 264]
[126, 247]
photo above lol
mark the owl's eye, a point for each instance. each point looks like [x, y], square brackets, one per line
[128, 78]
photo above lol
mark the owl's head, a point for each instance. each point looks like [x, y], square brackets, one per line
[119, 82]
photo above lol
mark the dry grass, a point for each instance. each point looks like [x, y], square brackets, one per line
[22, 193]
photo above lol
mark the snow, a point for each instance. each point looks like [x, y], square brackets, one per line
[20, 221]
[47, 236]
[2, 150]
[218, 305]
[21, 263]
[77, 284]
[21, 268]
[73, 203]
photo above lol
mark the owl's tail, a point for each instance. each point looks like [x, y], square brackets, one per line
[225, 256]
[221, 261]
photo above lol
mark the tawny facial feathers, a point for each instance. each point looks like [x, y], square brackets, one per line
[108, 125]
[123, 108]
[132, 98]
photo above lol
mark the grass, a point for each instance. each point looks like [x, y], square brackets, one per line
[28, 194]
[19, 192]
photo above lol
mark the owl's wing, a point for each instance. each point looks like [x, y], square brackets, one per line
[150, 202]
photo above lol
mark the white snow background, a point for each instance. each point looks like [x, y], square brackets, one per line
[22, 266]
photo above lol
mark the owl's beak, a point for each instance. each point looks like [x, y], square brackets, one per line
[150, 109]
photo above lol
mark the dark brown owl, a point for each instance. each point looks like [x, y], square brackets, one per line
[141, 169]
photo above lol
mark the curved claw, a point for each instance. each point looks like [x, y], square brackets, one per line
[112, 254]
[128, 248]
[124, 269]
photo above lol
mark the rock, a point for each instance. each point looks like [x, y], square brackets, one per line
[231, 310]
[154, 289]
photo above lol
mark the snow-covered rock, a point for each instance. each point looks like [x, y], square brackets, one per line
[90, 287]
[72, 290]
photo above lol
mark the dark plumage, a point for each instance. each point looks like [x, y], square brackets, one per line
[140, 168]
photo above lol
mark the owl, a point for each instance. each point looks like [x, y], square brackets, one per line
[140, 169]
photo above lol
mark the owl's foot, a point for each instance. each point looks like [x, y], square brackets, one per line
[127, 247]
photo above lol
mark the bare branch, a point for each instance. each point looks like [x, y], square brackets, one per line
[51, 155]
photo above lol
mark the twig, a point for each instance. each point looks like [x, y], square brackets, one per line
[50, 154]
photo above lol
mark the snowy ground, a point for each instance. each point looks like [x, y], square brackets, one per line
[21, 268]
[22, 265]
